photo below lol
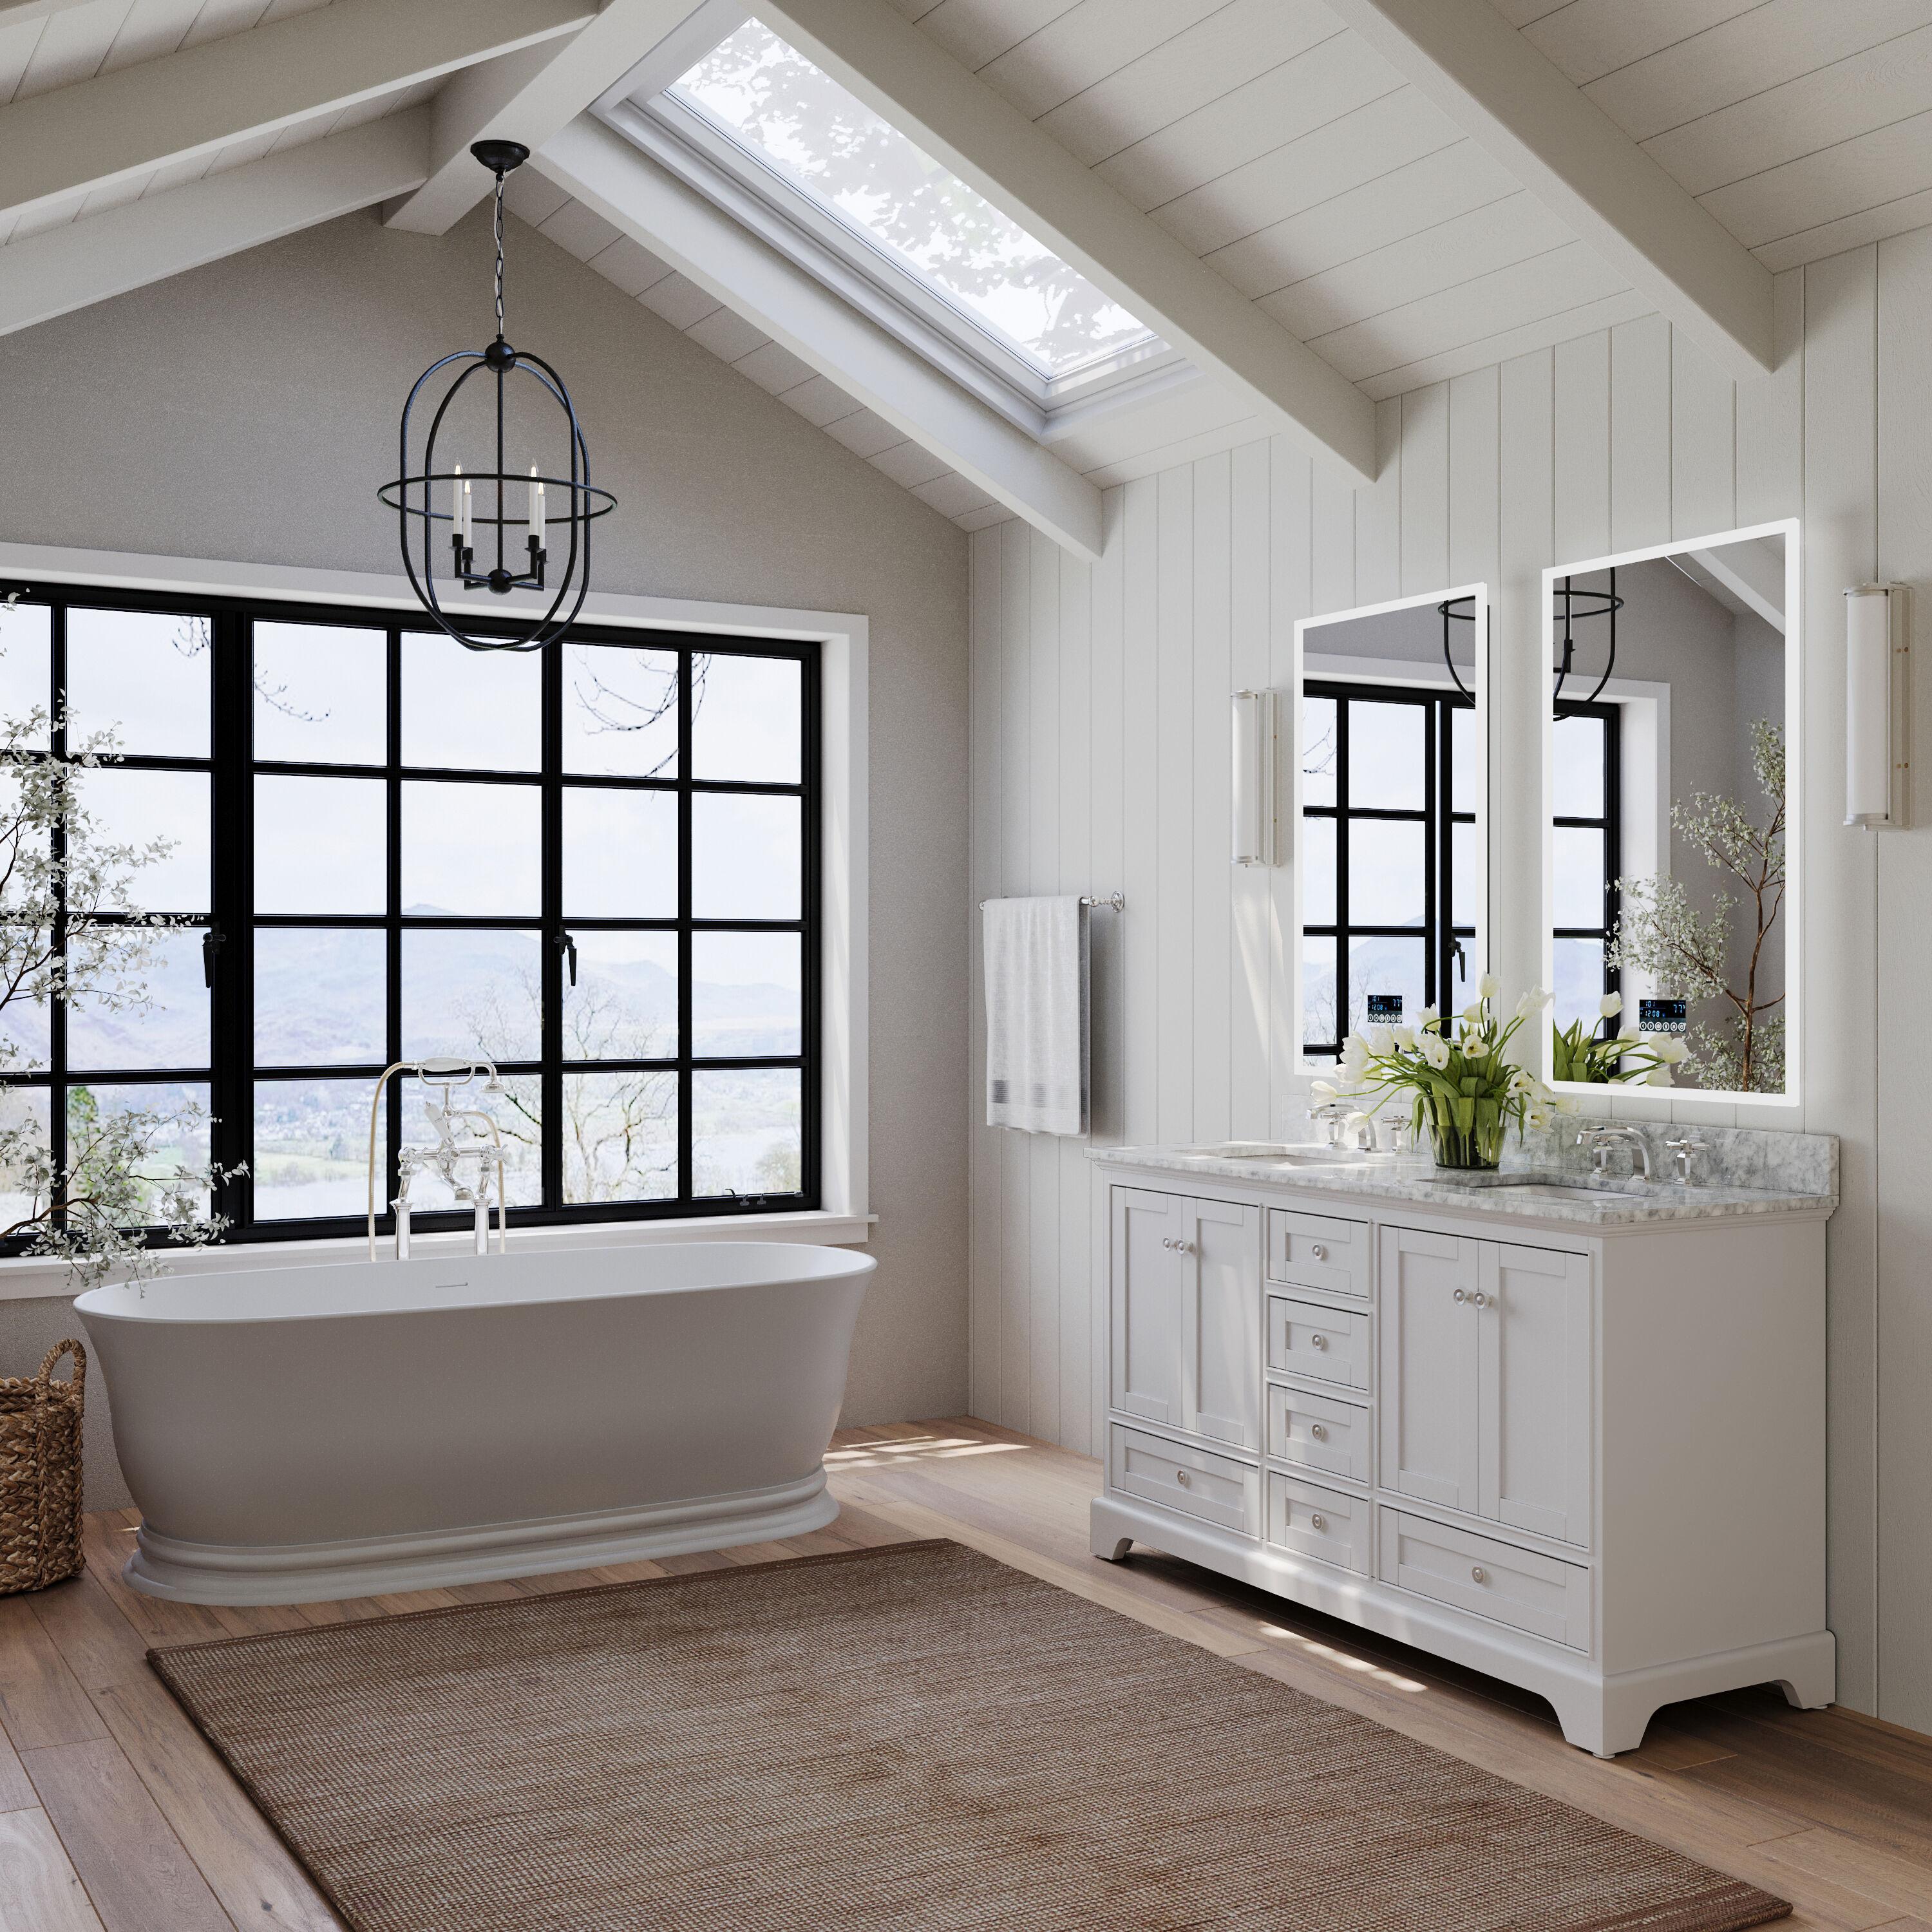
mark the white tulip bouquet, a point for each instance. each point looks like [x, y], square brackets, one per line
[1466, 1090]
[1628, 1055]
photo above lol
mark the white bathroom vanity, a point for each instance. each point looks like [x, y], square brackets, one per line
[1568, 1430]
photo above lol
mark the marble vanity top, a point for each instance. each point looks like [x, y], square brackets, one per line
[1740, 1171]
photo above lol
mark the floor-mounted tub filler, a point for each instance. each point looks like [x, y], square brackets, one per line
[294, 1434]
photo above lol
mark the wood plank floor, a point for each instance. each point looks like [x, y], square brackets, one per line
[116, 1817]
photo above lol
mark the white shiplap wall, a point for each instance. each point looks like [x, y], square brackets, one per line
[1099, 753]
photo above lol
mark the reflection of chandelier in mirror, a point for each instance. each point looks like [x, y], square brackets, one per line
[501, 499]
[1569, 607]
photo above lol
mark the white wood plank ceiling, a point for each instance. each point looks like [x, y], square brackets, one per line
[1268, 138]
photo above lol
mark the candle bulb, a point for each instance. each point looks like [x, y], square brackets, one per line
[456, 492]
[536, 509]
[469, 515]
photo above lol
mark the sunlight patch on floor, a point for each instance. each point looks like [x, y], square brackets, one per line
[1329, 1654]
[922, 1448]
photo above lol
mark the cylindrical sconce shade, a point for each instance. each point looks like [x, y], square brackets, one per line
[1254, 778]
[1874, 757]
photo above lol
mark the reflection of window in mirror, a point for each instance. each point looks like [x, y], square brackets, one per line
[1390, 777]
[1667, 864]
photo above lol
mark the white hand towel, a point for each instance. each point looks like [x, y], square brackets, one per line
[1036, 1009]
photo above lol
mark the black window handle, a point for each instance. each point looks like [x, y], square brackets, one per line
[212, 942]
[568, 947]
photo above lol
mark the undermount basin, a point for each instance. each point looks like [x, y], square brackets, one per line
[1539, 1187]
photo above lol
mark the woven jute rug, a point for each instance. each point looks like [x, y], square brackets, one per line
[911, 1739]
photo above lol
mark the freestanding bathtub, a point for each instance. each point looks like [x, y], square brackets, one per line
[295, 1435]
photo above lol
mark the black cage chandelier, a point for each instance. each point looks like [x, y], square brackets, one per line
[436, 507]
[1569, 606]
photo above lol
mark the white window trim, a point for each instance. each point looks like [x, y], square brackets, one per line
[844, 1081]
[684, 141]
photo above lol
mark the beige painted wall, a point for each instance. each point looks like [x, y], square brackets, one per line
[248, 410]
[1100, 749]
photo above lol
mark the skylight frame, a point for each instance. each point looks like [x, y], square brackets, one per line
[840, 255]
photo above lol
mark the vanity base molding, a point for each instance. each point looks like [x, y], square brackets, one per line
[1604, 1714]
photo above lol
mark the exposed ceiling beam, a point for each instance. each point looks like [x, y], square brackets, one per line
[1513, 102]
[645, 202]
[873, 49]
[62, 269]
[12, 12]
[1747, 578]
[527, 97]
[120, 126]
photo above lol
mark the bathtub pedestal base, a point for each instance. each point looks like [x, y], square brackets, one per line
[205, 1572]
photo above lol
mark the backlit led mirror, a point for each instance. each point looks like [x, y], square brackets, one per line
[1670, 886]
[1391, 835]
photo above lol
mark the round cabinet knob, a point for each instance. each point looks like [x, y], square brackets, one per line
[1460, 1296]
[1181, 1476]
[1320, 1521]
[1479, 1574]
[1319, 1431]
[1480, 1300]
[1319, 1341]
[1320, 1253]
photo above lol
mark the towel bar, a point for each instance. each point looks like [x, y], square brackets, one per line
[1118, 900]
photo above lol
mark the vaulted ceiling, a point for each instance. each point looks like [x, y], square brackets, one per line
[1322, 203]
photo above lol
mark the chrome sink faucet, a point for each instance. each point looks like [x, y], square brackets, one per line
[1600, 1140]
[1333, 1117]
[1683, 1146]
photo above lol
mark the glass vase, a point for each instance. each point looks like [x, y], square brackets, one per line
[1467, 1133]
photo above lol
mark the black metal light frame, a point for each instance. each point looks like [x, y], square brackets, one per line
[586, 502]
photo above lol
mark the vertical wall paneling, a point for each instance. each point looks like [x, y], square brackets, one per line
[1073, 759]
[1425, 491]
[1045, 656]
[984, 1235]
[1141, 810]
[1107, 738]
[1840, 459]
[1015, 860]
[1250, 970]
[1580, 435]
[1378, 513]
[1703, 443]
[1902, 1134]
[1292, 501]
[1212, 911]
[1527, 421]
[1100, 759]
[1174, 790]
[1640, 433]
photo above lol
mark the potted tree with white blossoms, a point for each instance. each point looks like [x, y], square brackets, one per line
[1626, 1055]
[1466, 1090]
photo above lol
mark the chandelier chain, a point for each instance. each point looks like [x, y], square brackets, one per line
[500, 257]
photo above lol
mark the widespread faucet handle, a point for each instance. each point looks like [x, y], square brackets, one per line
[1683, 1146]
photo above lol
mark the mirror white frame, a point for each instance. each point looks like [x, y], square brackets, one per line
[1389, 671]
[1786, 528]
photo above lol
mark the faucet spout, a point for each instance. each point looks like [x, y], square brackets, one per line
[1601, 1140]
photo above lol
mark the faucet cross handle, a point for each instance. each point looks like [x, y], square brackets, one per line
[1683, 1146]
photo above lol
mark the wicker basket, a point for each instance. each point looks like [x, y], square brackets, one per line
[40, 1474]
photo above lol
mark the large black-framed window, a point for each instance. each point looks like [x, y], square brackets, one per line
[1390, 863]
[597, 865]
[1586, 852]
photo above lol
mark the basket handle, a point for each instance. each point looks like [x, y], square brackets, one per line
[78, 1380]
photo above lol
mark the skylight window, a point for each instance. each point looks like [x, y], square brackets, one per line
[767, 99]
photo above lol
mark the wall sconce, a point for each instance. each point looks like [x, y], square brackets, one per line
[1877, 705]
[1254, 778]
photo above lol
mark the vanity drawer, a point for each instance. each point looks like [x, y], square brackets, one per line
[1330, 1345]
[1521, 1587]
[1190, 1481]
[1319, 1432]
[1324, 1524]
[1313, 1251]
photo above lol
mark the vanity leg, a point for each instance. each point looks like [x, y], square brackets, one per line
[1104, 1537]
[1603, 1723]
[1812, 1683]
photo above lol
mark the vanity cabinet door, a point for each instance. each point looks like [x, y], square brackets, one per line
[1534, 1327]
[1428, 1380]
[1149, 1262]
[1223, 1376]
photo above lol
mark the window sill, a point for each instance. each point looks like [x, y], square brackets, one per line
[32, 1278]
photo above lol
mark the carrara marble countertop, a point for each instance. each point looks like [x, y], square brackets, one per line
[1625, 1201]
